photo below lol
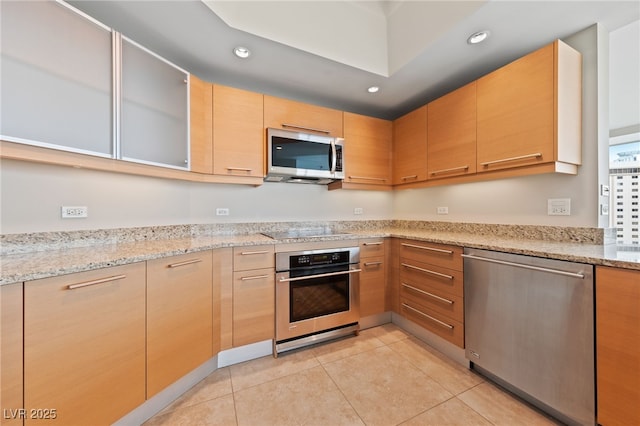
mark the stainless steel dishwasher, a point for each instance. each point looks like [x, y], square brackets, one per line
[529, 326]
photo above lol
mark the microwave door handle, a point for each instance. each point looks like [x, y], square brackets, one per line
[334, 156]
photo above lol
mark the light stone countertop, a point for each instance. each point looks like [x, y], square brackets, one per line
[32, 265]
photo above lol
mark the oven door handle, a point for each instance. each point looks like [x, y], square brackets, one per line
[329, 274]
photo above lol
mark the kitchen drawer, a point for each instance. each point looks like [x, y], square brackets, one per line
[421, 274]
[446, 304]
[372, 286]
[448, 329]
[435, 254]
[371, 247]
[253, 257]
[253, 306]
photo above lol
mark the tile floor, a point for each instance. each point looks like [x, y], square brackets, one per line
[384, 376]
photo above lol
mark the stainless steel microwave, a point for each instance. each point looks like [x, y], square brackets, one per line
[303, 158]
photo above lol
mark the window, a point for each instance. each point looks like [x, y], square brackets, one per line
[624, 168]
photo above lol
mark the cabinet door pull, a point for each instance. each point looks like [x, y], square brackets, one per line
[368, 178]
[186, 262]
[293, 126]
[95, 282]
[378, 243]
[427, 271]
[426, 293]
[428, 248]
[409, 177]
[372, 263]
[437, 321]
[249, 253]
[453, 169]
[239, 169]
[254, 277]
[505, 160]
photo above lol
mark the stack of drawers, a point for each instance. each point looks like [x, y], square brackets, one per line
[431, 288]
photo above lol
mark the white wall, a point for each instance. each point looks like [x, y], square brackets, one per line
[625, 76]
[32, 194]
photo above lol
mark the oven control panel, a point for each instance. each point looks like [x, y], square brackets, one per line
[316, 259]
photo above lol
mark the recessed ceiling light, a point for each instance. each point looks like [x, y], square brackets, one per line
[242, 52]
[373, 89]
[478, 37]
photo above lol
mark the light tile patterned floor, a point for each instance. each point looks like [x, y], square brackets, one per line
[382, 377]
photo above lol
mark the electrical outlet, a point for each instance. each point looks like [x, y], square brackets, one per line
[442, 210]
[358, 210]
[559, 206]
[74, 212]
[222, 212]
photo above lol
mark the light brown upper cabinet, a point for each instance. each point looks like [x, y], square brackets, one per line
[201, 125]
[238, 140]
[410, 147]
[529, 112]
[451, 133]
[286, 114]
[367, 152]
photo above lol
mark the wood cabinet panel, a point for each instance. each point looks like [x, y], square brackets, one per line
[238, 132]
[451, 133]
[436, 277]
[282, 113]
[372, 286]
[201, 125]
[367, 150]
[618, 346]
[224, 259]
[253, 306]
[84, 337]
[433, 321]
[253, 257]
[11, 353]
[436, 254]
[410, 147]
[179, 317]
[433, 298]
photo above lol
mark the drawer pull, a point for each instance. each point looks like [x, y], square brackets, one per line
[437, 321]
[379, 243]
[254, 277]
[239, 169]
[453, 169]
[427, 271]
[409, 177]
[372, 263]
[293, 126]
[368, 178]
[249, 253]
[95, 282]
[186, 262]
[505, 160]
[428, 248]
[426, 293]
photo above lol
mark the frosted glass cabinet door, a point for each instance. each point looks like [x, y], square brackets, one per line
[56, 78]
[154, 117]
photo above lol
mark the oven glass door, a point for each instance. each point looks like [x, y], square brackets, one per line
[316, 297]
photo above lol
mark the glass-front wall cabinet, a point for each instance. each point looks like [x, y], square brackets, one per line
[56, 76]
[71, 83]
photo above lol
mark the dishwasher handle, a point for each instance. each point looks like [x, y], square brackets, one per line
[521, 265]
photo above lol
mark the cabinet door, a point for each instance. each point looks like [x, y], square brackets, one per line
[618, 346]
[238, 132]
[11, 388]
[179, 317]
[367, 149]
[372, 286]
[451, 131]
[56, 70]
[253, 306]
[154, 118]
[291, 115]
[201, 125]
[84, 345]
[516, 113]
[410, 147]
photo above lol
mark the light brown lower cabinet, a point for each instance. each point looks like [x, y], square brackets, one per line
[253, 306]
[373, 277]
[11, 389]
[179, 317]
[84, 346]
[618, 346]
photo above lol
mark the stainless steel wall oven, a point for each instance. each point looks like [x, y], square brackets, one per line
[316, 296]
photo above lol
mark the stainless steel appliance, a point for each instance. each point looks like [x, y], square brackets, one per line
[303, 157]
[316, 296]
[529, 326]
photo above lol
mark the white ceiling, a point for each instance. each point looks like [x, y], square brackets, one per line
[329, 52]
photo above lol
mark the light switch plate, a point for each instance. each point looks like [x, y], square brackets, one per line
[559, 206]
